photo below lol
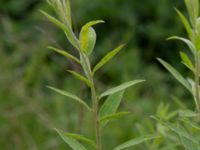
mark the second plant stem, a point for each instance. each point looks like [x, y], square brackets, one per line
[197, 95]
[96, 117]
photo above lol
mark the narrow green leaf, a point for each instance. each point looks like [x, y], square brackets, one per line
[185, 22]
[69, 33]
[64, 53]
[188, 42]
[80, 77]
[73, 143]
[176, 74]
[193, 10]
[176, 130]
[110, 106]
[80, 138]
[70, 95]
[136, 141]
[67, 8]
[186, 61]
[106, 58]
[187, 113]
[113, 116]
[120, 87]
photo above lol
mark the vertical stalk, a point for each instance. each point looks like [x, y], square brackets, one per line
[95, 102]
[96, 117]
[197, 95]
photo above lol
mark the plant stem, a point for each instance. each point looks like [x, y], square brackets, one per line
[197, 95]
[96, 117]
[95, 102]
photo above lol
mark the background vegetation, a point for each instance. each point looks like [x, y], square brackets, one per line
[29, 111]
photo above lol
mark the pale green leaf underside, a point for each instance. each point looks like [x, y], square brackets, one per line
[64, 53]
[70, 95]
[106, 58]
[113, 116]
[136, 141]
[73, 143]
[120, 87]
[176, 74]
[186, 41]
[69, 33]
[80, 77]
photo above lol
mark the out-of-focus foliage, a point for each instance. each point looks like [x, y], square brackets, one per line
[29, 111]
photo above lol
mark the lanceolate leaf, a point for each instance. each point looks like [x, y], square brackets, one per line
[185, 22]
[106, 58]
[188, 42]
[176, 130]
[136, 141]
[64, 53]
[176, 74]
[70, 95]
[73, 143]
[80, 138]
[67, 8]
[80, 77]
[186, 61]
[111, 105]
[193, 9]
[69, 33]
[120, 87]
[113, 116]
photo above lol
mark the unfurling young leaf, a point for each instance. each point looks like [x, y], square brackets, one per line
[106, 58]
[87, 37]
[70, 95]
[176, 74]
[136, 141]
[64, 53]
[72, 142]
[121, 87]
[80, 77]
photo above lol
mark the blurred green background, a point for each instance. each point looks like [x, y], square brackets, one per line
[29, 111]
